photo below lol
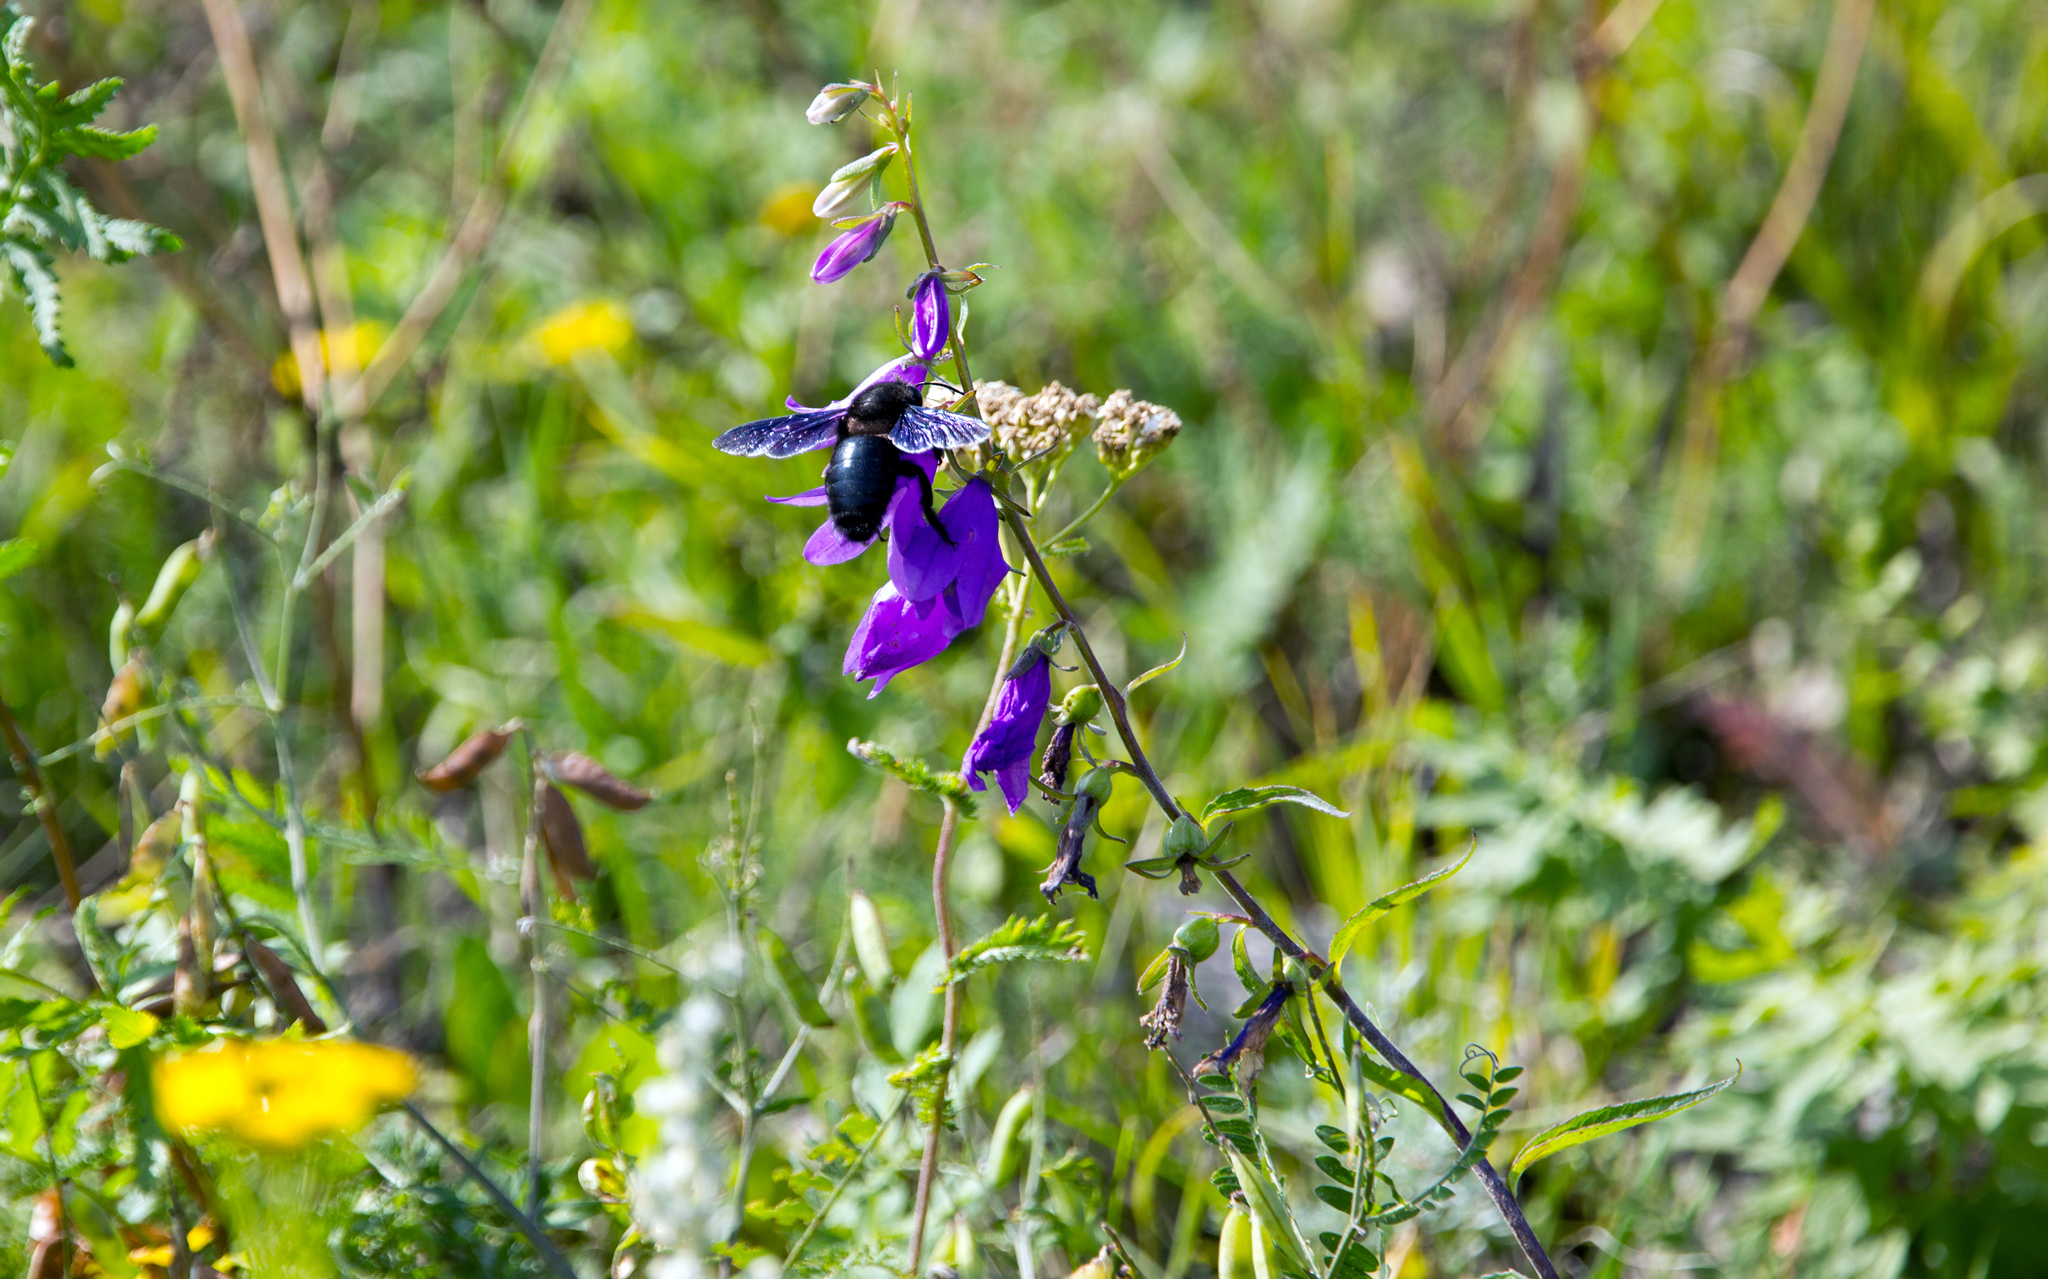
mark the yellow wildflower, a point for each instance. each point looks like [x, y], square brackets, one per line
[279, 1094]
[788, 208]
[580, 327]
[362, 341]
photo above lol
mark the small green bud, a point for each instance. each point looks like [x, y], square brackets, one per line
[1199, 937]
[1095, 785]
[1185, 838]
[119, 635]
[1080, 706]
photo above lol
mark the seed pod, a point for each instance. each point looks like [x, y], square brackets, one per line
[190, 982]
[125, 696]
[1199, 937]
[283, 985]
[574, 768]
[562, 835]
[1185, 838]
[121, 634]
[173, 580]
[871, 942]
[467, 760]
[1234, 1250]
[1004, 1146]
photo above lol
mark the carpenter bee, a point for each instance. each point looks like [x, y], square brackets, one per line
[869, 438]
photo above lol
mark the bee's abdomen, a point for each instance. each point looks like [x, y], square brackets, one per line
[859, 481]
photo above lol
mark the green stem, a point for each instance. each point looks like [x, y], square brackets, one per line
[1074, 524]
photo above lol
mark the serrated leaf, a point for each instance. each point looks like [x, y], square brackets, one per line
[1580, 1129]
[16, 554]
[1379, 907]
[792, 982]
[1045, 938]
[127, 1027]
[1159, 670]
[915, 774]
[38, 283]
[1246, 798]
[104, 144]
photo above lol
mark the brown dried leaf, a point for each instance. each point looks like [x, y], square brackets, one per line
[467, 760]
[562, 834]
[574, 768]
[283, 985]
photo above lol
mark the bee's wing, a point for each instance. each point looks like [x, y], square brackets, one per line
[920, 430]
[782, 436]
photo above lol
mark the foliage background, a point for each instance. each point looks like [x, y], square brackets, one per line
[1753, 779]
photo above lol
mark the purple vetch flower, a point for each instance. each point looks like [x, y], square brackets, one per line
[853, 247]
[1006, 745]
[931, 316]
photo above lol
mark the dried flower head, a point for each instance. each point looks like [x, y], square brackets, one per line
[1131, 432]
[1027, 426]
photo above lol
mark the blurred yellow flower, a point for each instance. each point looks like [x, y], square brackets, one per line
[580, 327]
[362, 341]
[279, 1094]
[788, 208]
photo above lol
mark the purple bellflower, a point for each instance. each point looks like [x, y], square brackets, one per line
[1006, 746]
[931, 316]
[853, 247]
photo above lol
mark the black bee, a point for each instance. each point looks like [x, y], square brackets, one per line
[869, 438]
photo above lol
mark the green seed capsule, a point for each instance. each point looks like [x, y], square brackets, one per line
[1080, 706]
[174, 579]
[1095, 785]
[1199, 937]
[1004, 1146]
[1185, 838]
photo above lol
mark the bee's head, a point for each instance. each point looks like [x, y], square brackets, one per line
[885, 401]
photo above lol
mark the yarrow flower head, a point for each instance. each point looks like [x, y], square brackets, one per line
[1046, 424]
[1006, 745]
[1132, 433]
[931, 318]
[855, 245]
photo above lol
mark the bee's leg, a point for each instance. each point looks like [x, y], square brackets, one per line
[924, 489]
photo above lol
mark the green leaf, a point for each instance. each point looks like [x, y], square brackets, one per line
[1153, 867]
[1043, 937]
[102, 954]
[1336, 1196]
[127, 1027]
[16, 554]
[1393, 1081]
[1381, 906]
[1268, 1208]
[1157, 671]
[1246, 798]
[794, 984]
[1580, 1129]
[38, 282]
[104, 144]
[916, 774]
[1155, 972]
[1067, 546]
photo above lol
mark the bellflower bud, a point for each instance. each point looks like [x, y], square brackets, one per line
[850, 180]
[931, 316]
[853, 247]
[835, 102]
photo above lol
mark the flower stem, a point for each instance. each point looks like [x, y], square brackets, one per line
[537, 1020]
[1074, 524]
[31, 776]
[1496, 1186]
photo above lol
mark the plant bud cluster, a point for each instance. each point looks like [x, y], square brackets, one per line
[1132, 432]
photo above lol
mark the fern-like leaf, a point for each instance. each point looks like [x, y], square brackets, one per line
[1017, 939]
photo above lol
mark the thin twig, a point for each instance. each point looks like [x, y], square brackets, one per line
[31, 776]
[537, 1019]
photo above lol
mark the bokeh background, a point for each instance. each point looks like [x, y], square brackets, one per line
[1498, 513]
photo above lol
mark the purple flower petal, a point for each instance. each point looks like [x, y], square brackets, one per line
[809, 497]
[970, 516]
[1006, 745]
[921, 562]
[851, 248]
[895, 635]
[904, 368]
[930, 316]
[830, 546]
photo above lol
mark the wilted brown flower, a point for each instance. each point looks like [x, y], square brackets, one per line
[1164, 1019]
[1026, 426]
[1132, 432]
